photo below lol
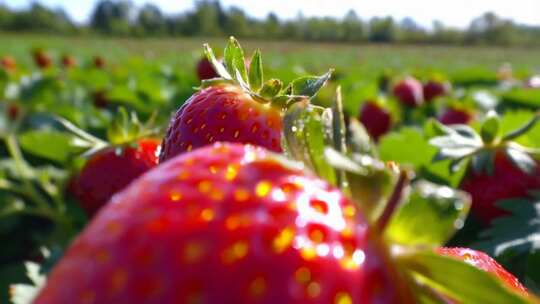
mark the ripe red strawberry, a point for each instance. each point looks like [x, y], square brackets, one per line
[111, 170]
[506, 181]
[68, 61]
[375, 118]
[99, 62]
[205, 70]
[226, 224]
[235, 108]
[497, 167]
[409, 92]
[455, 115]
[484, 262]
[42, 59]
[8, 63]
[222, 113]
[433, 89]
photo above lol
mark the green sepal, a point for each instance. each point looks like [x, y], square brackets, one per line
[124, 128]
[308, 85]
[358, 139]
[523, 129]
[483, 162]
[271, 88]
[218, 66]
[256, 75]
[303, 138]
[368, 181]
[491, 127]
[429, 217]
[457, 281]
[521, 159]
[235, 60]
[214, 82]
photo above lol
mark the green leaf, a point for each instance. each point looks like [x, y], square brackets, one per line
[523, 129]
[220, 69]
[308, 85]
[303, 139]
[234, 60]
[256, 76]
[52, 145]
[124, 128]
[490, 128]
[513, 121]
[430, 217]
[271, 88]
[407, 146]
[518, 232]
[458, 280]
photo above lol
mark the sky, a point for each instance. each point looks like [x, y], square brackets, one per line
[457, 13]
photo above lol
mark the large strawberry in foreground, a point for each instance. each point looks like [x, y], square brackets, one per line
[486, 263]
[236, 107]
[227, 224]
[497, 167]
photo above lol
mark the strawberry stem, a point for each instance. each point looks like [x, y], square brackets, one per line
[394, 200]
[524, 129]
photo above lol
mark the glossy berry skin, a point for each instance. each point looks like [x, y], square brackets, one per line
[433, 89]
[205, 70]
[507, 181]
[409, 92]
[454, 116]
[109, 171]
[42, 59]
[376, 119]
[8, 63]
[484, 262]
[222, 113]
[68, 61]
[226, 224]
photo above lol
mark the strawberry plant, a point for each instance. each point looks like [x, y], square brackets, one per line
[266, 192]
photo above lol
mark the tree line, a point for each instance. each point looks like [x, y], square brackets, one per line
[210, 18]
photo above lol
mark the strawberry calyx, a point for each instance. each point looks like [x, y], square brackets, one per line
[460, 143]
[233, 70]
[124, 131]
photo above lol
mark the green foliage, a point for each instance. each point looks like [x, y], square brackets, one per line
[430, 216]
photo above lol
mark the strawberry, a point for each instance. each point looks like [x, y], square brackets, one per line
[455, 115]
[409, 92]
[375, 118]
[484, 262]
[205, 70]
[8, 63]
[497, 168]
[68, 61]
[235, 108]
[505, 181]
[13, 111]
[111, 170]
[433, 89]
[99, 62]
[112, 165]
[226, 224]
[42, 59]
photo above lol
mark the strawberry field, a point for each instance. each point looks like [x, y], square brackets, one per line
[162, 171]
